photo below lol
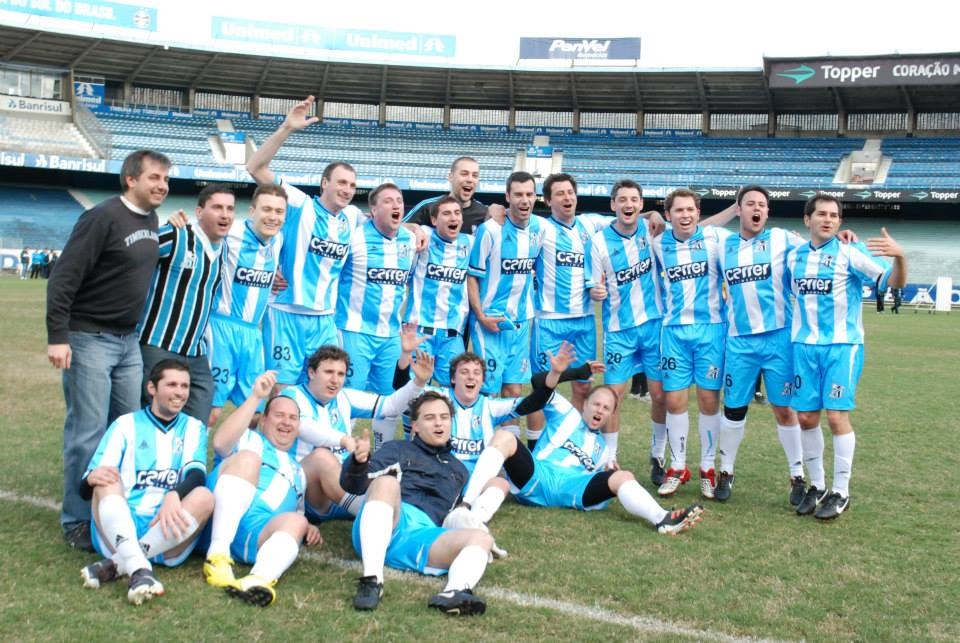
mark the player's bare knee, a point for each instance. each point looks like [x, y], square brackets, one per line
[384, 488]
[199, 502]
[618, 479]
[504, 442]
[480, 539]
[808, 419]
[243, 464]
[498, 483]
[214, 416]
[784, 415]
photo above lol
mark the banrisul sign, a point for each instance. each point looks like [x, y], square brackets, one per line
[864, 72]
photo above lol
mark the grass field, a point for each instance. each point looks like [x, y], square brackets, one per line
[889, 570]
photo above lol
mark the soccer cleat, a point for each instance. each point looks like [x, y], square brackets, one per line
[708, 482]
[680, 520]
[102, 571]
[674, 478]
[256, 590]
[811, 499]
[798, 489]
[458, 602]
[657, 472]
[724, 487]
[143, 586]
[832, 506]
[218, 570]
[369, 593]
[77, 535]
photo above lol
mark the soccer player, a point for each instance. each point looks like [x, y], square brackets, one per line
[693, 335]
[372, 287]
[571, 466]
[626, 280]
[410, 487]
[259, 488]
[146, 480]
[316, 242]
[464, 178]
[180, 299]
[250, 262]
[95, 298]
[827, 279]
[437, 303]
[327, 410]
[500, 285]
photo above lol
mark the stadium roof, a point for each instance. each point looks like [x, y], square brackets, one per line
[616, 90]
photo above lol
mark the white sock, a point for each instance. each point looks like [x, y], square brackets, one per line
[232, 497]
[843, 447]
[376, 527]
[638, 502]
[383, 430]
[512, 428]
[612, 440]
[488, 466]
[120, 532]
[812, 441]
[708, 427]
[731, 435]
[352, 503]
[487, 503]
[533, 435]
[678, 427]
[658, 440]
[154, 543]
[467, 568]
[792, 447]
[275, 555]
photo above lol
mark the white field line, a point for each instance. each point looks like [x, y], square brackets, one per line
[641, 624]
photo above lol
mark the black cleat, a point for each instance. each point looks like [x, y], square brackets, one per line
[811, 499]
[77, 535]
[657, 472]
[143, 586]
[458, 602]
[98, 573]
[369, 593]
[798, 489]
[832, 506]
[724, 487]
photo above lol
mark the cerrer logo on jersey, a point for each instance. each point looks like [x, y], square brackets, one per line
[327, 248]
[588, 461]
[516, 266]
[160, 478]
[467, 447]
[253, 278]
[745, 274]
[634, 272]
[694, 270]
[814, 286]
[571, 259]
[387, 276]
[449, 274]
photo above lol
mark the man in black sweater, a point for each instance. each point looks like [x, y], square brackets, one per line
[95, 297]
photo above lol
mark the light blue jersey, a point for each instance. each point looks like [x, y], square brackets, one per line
[281, 484]
[567, 443]
[502, 260]
[564, 267]
[628, 267]
[315, 246]
[248, 269]
[691, 276]
[180, 299]
[438, 283]
[828, 285]
[474, 425]
[373, 281]
[758, 288]
[153, 456]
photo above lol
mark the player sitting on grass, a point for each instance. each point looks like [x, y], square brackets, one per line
[146, 479]
[258, 486]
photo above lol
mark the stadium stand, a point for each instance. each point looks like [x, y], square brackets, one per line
[41, 218]
[42, 136]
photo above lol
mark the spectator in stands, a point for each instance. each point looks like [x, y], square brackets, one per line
[464, 178]
[24, 262]
[94, 301]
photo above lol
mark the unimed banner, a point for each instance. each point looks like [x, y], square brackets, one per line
[580, 48]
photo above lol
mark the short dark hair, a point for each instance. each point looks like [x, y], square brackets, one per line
[519, 177]
[328, 171]
[266, 408]
[752, 188]
[460, 159]
[624, 184]
[560, 177]
[464, 358]
[435, 210]
[156, 373]
[423, 398]
[269, 189]
[680, 192]
[811, 203]
[133, 164]
[214, 188]
[375, 192]
[325, 353]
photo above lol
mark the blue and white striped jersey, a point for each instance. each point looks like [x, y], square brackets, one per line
[828, 285]
[563, 267]
[502, 260]
[181, 296]
[282, 483]
[249, 266]
[152, 455]
[373, 281]
[691, 276]
[438, 283]
[315, 246]
[567, 443]
[758, 288]
[630, 271]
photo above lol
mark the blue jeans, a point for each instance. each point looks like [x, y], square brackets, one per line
[102, 383]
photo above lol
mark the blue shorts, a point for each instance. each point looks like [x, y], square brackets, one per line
[692, 353]
[556, 487]
[373, 361]
[291, 338]
[630, 351]
[142, 524]
[333, 512]
[548, 334]
[410, 541]
[236, 359]
[444, 347]
[506, 355]
[747, 356]
[826, 376]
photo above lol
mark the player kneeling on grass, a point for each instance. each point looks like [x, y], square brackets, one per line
[146, 479]
[259, 490]
[410, 487]
[571, 466]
